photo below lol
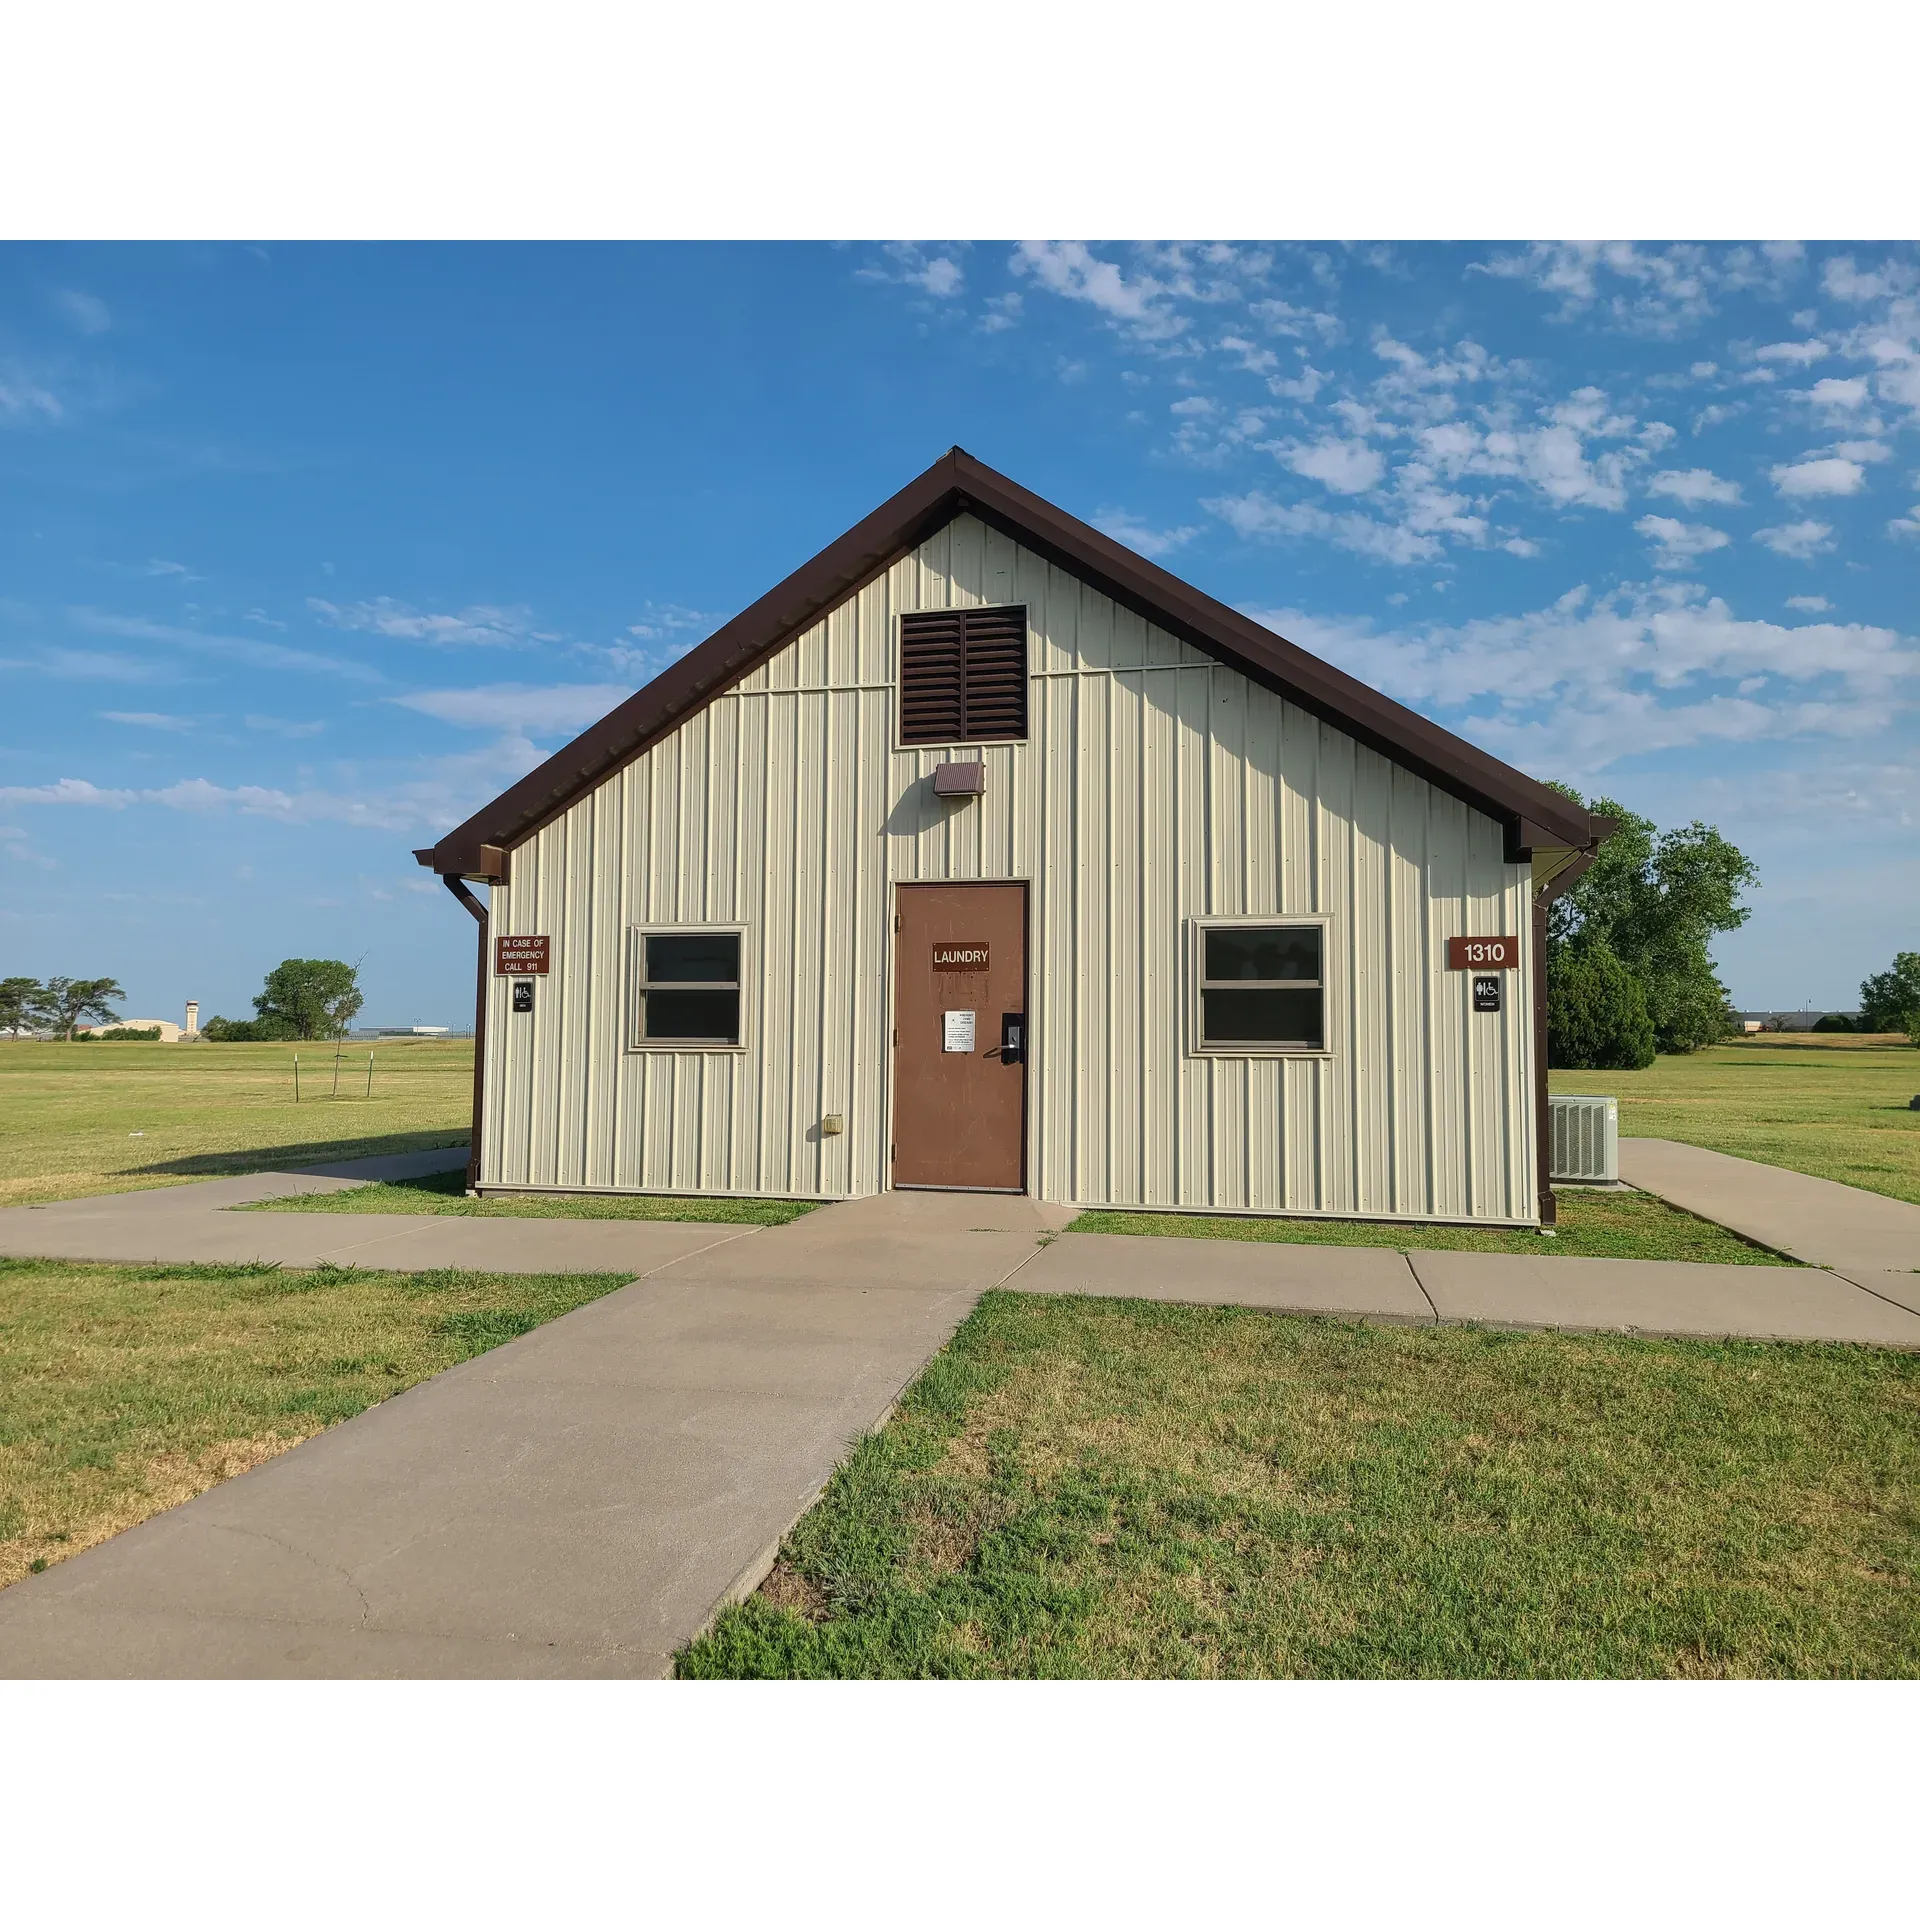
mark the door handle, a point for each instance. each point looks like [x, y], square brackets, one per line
[1013, 1033]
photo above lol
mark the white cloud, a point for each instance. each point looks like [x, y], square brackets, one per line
[1003, 311]
[1586, 680]
[476, 626]
[1130, 530]
[16, 842]
[84, 312]
[1696, 486]
[67, 793]
[1651, 290]
[1811, 477]
[1799, 540]
[161, 722]
[285, 729]
[168, 570]
[447, 791]
[24, 397]
[1809, 603]
[1341, 466]
[1802, 353]
[1838, 396]
[1681, 542]
[513, 708]
[911, 263]
[1555, 458]
[1909, 522]
[1256, 516]
[1071, 269]
[1291, 322]
[1847, 282]
[236, 649]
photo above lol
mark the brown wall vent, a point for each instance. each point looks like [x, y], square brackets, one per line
[959, 779]
[963, 675]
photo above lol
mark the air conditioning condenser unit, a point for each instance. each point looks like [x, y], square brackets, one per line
[1585, 1137]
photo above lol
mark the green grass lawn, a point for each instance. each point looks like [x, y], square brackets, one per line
[446, 1193]
[1091, 1487]
[1825, 1104]
[125, 1390]
[1618, 1226]
[110, 1116]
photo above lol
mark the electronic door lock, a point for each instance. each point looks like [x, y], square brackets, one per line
[1013, 1039]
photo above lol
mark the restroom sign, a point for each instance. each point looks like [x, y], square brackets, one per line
[1473, 952]
[522, 952]
[959, 956]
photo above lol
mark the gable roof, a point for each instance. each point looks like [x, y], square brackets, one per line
[1534, 815]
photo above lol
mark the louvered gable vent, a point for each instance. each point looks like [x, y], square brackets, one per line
[963, 675]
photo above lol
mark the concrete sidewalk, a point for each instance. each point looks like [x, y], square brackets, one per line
[580, 1501]
[1872, 1239]
[1664, 1297]
[575, 1503]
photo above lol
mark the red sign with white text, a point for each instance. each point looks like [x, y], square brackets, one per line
[522, 952]
[1480, 951]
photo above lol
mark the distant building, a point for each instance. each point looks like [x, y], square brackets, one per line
[402, 1033]
[168, 1029]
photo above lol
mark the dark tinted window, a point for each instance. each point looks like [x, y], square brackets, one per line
[1263, 953]
[1262, 989]
[694, 1015]
[693, 956]
[690, 989]
[1260, 1019]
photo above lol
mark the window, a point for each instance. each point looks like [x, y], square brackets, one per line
[687, 988]
[963, 675]
[1261, 987]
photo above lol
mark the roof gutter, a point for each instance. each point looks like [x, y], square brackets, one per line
[1558, 879]
[461, 892]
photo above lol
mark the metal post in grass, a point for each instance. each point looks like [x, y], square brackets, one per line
[369, 1073]
[296, 1079]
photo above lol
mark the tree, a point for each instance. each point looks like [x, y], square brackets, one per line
[62, 1003]
[307, 1000]
[1596, 1012]
[221, 1028]
[1890, 1001]
[1833, 1023]
[19, 1004]
[1654, 901]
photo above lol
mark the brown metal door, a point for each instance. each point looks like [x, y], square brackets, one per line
[960, 1036]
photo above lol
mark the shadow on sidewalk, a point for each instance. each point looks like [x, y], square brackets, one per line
[306, 1153]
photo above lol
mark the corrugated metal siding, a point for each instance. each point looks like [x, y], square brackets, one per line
[1155, 787]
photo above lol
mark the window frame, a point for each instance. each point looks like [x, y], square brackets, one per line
[638, 987]
[982, 742]
[1197, 1044]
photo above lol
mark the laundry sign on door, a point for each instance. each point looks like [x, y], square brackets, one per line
[956, 1030]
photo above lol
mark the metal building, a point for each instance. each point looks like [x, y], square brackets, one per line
[984, 853]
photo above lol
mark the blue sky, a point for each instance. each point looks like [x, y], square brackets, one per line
[305, 551]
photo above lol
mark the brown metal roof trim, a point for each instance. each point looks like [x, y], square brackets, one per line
[957, 483]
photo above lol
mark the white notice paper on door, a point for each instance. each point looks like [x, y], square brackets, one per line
[957, 1030]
